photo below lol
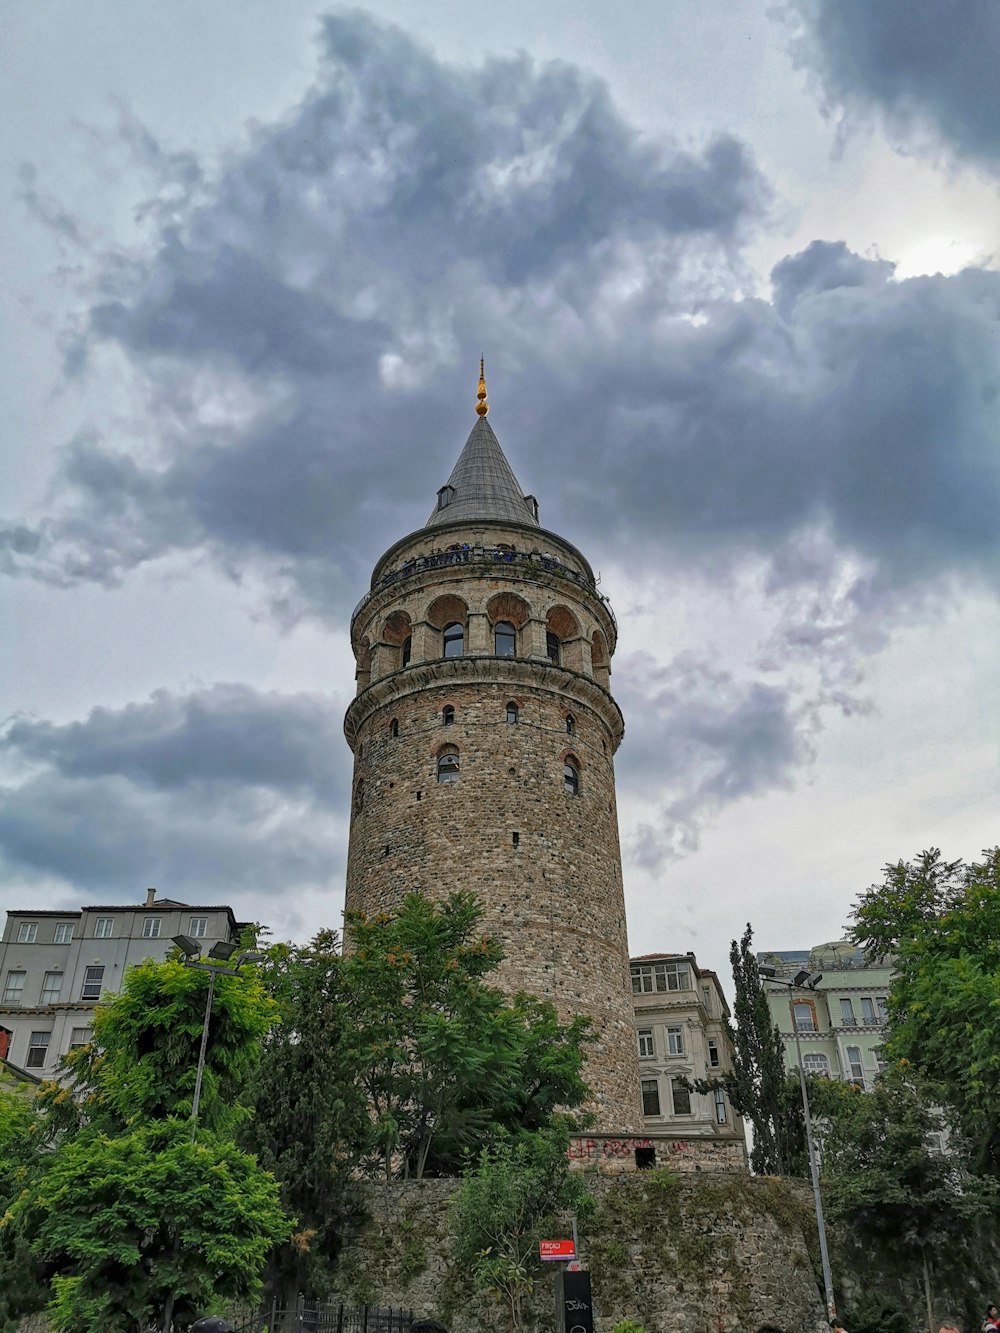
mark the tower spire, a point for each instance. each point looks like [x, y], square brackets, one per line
[482, 407]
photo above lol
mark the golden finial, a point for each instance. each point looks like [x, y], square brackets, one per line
[482, 407]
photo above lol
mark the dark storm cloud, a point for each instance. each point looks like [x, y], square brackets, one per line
[928, 66]
[221, 788]
[700, 740]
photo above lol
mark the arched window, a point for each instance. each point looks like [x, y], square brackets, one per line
[447, 716]
[552, 646]
[394, 728]
[571, 777]
[816, 1063]
[570, 724]
[447, 765]
[454, 639]
[512, 711]
[505, 639]
[405, 650]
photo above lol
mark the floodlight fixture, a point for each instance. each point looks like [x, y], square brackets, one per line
[191, 948]
[249, 958]
[801, 977]
[767, 971]
[222, 951]
[814, 980]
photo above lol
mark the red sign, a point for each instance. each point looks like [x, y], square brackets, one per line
[556, 1249]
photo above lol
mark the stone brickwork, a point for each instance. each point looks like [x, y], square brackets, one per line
[711, 1153]
[693, 1254]
[544, 862]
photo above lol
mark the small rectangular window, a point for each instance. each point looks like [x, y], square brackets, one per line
[706, 995]
[647, 1046]
[720, 1107]
[27, 932]
[38, 1045]
[650, 1096]
[857, 1069]
[14, 987]
[52, 987]
[847, 1013]
[882, 1005]
[64, 933]
[805, 1019]
[675, 1041]
[103, 928]
[681, 1097]
[713, 1053]
[867, 1010]
[199, 927]
[93, 982]
[79, 1037]
[151, 928]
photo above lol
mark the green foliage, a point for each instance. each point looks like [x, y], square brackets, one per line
[22, 1289]
[446, 1061]
[141, 1223]
[628, 1326]
[941, 921]
[757, 1085]
[507, 1200]
[875, 1313]
[310, 1127]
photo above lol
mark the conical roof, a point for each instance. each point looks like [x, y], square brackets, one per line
[482, 485]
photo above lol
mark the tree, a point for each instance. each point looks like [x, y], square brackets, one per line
[310, 1125]
[884, 1177]
[508, 1198]
[127, 1209]
[22, 1288]
[757, 1085]
[446, 1061]
[941, 923]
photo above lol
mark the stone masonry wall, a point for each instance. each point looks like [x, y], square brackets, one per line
[678, 1255]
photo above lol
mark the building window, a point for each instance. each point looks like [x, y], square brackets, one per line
[27, 932]
[681, 1097]
[881, 1063]
[571, 778]
[706, 998]
[675, 1041]
[552, 647]
[720, 1107]
[867, 1010]
[38, 1045]
[52, 987]
[359, 796]
[447, 765]
[79, 1037]
[505, 639]
[816, 1063]
[857, 1069]
[93, 981]
[650, 1096]
[447, 716]
[199, 927]
[64, 933]
[103, 928]
[804, 1016]
[882, 1005]
[647, 1046]
[394, 728]
[649, 977]
[151, 928]
[406, 648]
[713, 1053]
[14, 987]
[847, 1013]
[454, 639]
[570, 724]
[512, 711]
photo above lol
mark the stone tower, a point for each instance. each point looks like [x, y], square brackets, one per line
[484, 736]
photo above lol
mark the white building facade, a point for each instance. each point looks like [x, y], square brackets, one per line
[55, 966]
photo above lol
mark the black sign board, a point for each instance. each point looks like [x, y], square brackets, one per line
[574, 1308]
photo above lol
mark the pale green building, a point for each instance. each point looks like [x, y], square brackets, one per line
[841, 1019]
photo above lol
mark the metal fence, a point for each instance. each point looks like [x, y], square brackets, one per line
[317, 1317]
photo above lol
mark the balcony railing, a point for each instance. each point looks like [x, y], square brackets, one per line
[485, 555]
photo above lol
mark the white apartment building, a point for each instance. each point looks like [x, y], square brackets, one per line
[680, 1013]
[55, 966]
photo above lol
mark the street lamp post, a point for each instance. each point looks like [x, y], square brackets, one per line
[221, 952]
[805, 981]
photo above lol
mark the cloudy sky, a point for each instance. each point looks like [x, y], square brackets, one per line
[735, 269]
